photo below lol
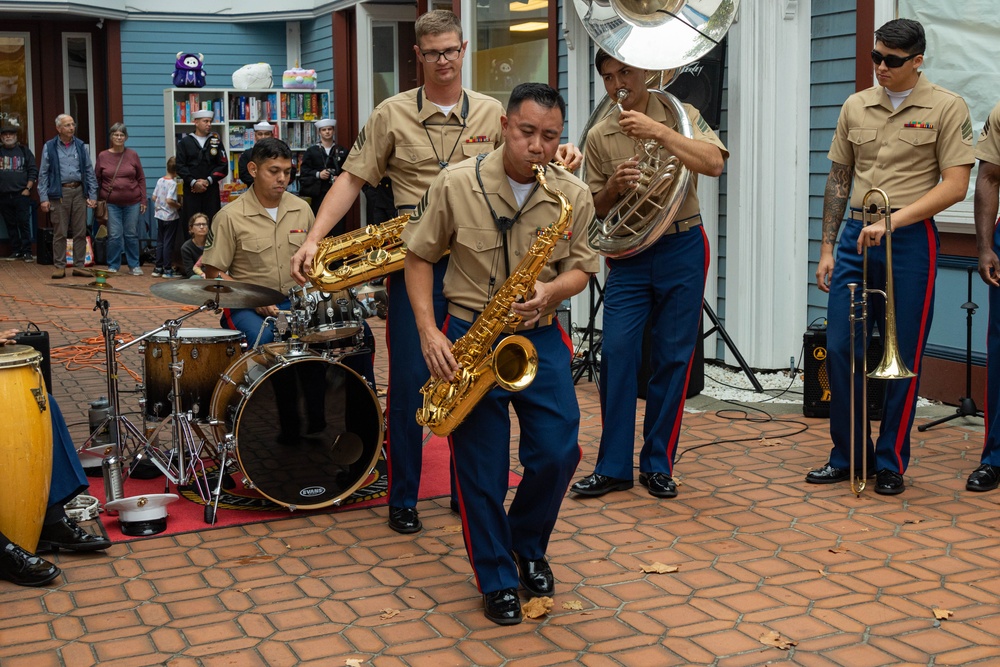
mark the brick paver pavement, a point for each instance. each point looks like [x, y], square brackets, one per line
[844, 580]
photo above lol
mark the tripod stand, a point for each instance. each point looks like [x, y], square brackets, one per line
[966, 406]
[126, 436]
[183, 464]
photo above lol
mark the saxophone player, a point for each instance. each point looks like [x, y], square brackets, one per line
[487, 211]
[665, 282]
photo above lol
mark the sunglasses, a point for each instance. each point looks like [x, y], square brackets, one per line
[891, 61]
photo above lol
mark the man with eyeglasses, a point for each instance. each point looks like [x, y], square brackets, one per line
[912, 139]
[411, 137]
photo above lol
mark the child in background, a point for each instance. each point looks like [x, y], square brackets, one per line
[167, 218]
[193, 248]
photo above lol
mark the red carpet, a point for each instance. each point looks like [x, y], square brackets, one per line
[241, 506]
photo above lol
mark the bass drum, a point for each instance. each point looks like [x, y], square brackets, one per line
[307, 430]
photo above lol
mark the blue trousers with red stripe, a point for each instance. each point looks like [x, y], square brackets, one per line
[407, 374]
[991, 446]
[666, 283]
[914, 252]
[549, 415]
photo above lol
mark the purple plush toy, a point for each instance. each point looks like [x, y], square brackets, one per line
[188, 71]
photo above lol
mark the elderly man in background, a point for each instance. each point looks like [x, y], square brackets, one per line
[18, 174]
[67, 187]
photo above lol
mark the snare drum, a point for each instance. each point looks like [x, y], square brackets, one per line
[206, 353]
[337, 315]
[25, 445]
[307, 430]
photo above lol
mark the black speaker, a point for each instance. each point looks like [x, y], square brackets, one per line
[700, 84]
[44, 249]
[39, 340]
[696, 383]
[816, 389]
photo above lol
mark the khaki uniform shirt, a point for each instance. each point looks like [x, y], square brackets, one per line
[608, 147]
[251, 247]
[988, 146]
[903, 152]
[454, 215]
[407, 136]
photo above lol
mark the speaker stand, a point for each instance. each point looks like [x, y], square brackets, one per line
[717, 327]
[587, 362]
[966, 406]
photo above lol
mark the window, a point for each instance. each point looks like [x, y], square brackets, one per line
[15, 83]
[510, 45]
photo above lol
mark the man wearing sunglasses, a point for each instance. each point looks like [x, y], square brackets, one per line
[912, 139]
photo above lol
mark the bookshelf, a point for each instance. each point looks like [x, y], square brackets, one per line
[291, 111]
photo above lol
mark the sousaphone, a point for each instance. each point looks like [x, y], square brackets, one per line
[657, 35]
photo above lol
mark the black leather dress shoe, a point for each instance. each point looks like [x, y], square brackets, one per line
[25, 569]
[535, 576]
[502, 607]
[67, 535]
[828, 475]
[404, 520]
[888, 482]
[598, 485]
[984, 478]
[659, 484]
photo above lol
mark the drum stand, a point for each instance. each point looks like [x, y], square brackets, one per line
[123, 431]
[183, 465]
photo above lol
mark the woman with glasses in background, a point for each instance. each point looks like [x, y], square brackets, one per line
[122, 184]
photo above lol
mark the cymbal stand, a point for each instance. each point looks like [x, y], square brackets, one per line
[183, 465]
[124, 432]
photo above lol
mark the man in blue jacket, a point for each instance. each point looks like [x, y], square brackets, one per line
[67, 187]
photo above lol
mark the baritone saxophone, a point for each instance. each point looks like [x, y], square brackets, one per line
[514, 363]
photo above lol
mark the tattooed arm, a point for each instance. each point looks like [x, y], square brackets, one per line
[838, 190]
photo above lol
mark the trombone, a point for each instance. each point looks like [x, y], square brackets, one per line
[892, 366]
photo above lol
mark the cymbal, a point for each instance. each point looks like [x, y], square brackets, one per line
[229, 293]
[101, 286]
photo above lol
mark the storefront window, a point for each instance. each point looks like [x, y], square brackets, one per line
[510, 45]
[15, 97]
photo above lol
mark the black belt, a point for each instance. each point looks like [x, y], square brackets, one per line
[859, 215]
[685, 225]
[470, 315]
[71, 184]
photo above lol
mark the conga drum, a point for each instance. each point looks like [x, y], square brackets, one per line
[25, 445]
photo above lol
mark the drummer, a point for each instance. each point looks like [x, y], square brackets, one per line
[252, 240]
[58, 530]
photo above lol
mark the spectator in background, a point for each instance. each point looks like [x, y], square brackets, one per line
[195, 246]
[321, 165]
[202, 164]
[66, 188]
[262, 130]
[165, 210]
[123, 186]
[18, 174]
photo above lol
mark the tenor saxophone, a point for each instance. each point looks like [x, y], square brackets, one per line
[514, 363]
[359, 256]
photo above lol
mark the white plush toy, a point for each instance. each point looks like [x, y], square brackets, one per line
[255, 76]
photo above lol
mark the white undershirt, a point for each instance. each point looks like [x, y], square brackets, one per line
[897, 98]
[521, 190]
[445, 110]
[201, 140]
[273, 212]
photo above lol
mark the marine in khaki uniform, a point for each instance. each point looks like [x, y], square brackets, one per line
[488, 212]
[411, 137]
[253, 238]
[912, 139]
[664, 283]
[987, 476]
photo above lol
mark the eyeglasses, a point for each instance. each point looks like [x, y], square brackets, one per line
[435, 56]
[891, 61]
[118, 134]
[200, 224]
